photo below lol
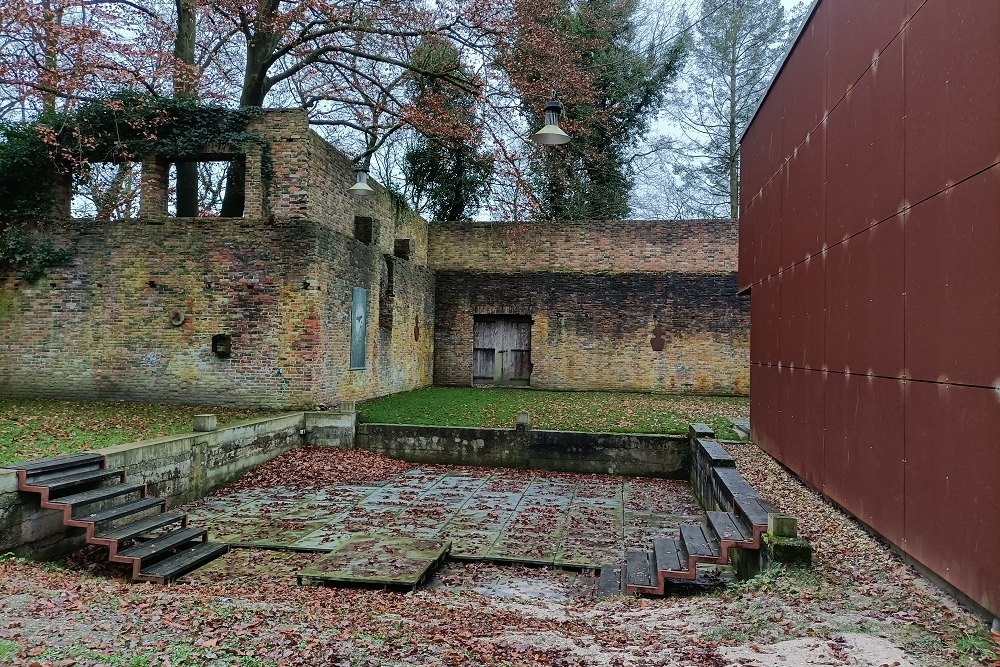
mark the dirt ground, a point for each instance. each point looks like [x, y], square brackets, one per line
[858, 606]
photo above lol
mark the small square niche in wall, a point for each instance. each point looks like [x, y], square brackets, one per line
[222, 345]
[401, 248]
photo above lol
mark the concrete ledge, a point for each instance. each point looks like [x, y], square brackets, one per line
[629, 454]
[331, 429]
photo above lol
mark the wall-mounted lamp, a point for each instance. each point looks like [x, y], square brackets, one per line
[360, 187]
[551, 134]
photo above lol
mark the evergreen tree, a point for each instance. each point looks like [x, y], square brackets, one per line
[447, 176]
[588, 178]
[735, 49]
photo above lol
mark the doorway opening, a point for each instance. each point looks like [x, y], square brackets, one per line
[501, 354]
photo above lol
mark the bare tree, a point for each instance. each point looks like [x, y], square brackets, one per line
[735, 46]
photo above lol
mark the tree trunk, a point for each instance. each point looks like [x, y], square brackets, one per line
[185, 86]
[52, 20]
[260, 49]
[734, 147]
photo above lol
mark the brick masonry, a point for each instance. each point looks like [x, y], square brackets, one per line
[595, 291]
[593, 246]
[133, 314]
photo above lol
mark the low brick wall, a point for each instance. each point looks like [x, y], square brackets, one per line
[180, 468]
[567, 451]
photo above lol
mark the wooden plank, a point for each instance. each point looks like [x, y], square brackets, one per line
[728, 527]
[183, 562]
[752, 510]
[64, 481]
[714, 453]
[137, 528]
[611, 582]
[165, 542]
[103, 493]
[520, 364]
[57, 463]
[121, 511]
[639, 571]
[482, 363]
[697, 543]
[667, 556]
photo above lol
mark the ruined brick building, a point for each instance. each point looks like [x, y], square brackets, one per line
[313, 297]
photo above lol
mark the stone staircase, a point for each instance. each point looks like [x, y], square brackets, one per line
[647, 572]
[159, 546]
[739, 522]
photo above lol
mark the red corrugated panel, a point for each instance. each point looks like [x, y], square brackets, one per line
[801, 429]
[864, 302]
[765, 411]
[952, 494]
[952, 284]
[802, 230]
[749, 229]
[865, 150]
[765, 314]
[952, 96]
[803, 304]
[863, 449]
[803, 84]
[858, 29]
[752, 172]
[768, 242]
[762, 141]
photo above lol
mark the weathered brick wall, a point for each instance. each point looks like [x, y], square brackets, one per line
[400, 332]
[101, 326]
[640, 246]
[329, 174]
[281, 286]
[595, 291]
[593, 331]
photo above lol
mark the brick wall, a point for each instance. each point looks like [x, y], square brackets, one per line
[595, 291]
[281, 286]
[641, 246]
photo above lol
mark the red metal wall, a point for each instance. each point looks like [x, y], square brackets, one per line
[870, 243]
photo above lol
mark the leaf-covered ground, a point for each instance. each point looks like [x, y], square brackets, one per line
[38, 428]
[599, 411]
[859, 607]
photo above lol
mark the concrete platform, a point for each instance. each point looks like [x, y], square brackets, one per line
[505, 516]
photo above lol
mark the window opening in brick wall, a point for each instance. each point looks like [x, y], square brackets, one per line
[386, 292]
[401, 248]
[364, 230]
[107, 191]
[210, 177]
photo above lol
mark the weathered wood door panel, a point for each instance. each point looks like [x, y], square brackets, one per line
[502, 350]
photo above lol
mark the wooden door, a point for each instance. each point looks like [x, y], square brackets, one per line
[501, 352]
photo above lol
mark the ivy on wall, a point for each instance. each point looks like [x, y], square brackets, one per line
[37, 158]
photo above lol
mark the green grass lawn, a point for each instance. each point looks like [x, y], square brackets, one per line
[599, 411]
[34, 429]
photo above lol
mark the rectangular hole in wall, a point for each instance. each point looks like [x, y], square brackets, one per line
[386, 292]
[401, 248]
[206, 189]
[107, 191]
[364, 230]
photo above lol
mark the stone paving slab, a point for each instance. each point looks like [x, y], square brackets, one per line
[381, 561]
[580, 521]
